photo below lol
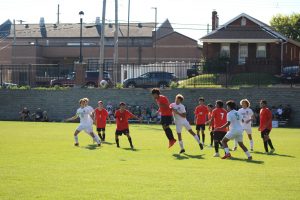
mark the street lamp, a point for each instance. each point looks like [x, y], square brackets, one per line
[155, 8]
[81, 13]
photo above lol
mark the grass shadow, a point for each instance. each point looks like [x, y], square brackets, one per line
[194, 156]
[273, 154]
[180, 156]
[246, 160]
[108, 143]
[91, 147]
[130, 149]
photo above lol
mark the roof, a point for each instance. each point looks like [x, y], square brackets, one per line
[164, 29]
[261, 32]
[70, 30]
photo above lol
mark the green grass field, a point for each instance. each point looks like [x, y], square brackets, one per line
[39, 161]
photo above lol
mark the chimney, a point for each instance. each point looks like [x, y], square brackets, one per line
[215, 20]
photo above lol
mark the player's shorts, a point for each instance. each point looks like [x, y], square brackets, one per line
[200, 127]
[235, 134]
[121, 132]
[100, 129]
[181, 124]
[166, 120]
[219, 135]
[85, 127]
[265, 132]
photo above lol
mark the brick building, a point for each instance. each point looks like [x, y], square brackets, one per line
[59, 43]
[250, 45]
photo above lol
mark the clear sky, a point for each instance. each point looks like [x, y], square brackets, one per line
[189, 16]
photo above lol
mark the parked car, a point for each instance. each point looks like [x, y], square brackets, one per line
[193, 71]
[151, 79]
[8, 85]
[91, 79]
[290, 74]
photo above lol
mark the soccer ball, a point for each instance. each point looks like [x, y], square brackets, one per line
[104, 84]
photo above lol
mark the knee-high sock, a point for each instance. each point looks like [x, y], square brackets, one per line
[251, 144]
[103, 136]
[181, 144]
[76, 138]
[217, 147]
[211, 138]
[130, 141]
[235, 143]
[266, 146]
[117, 141]
[97, 139]
[197, 138]
[169, 134]
[270, 143]
[203, 138]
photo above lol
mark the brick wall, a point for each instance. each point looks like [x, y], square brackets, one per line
[63, 104]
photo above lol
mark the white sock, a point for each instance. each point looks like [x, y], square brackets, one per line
[226, 150]
[181, 144]
[97, 139]
[197, 138]
[248, 154]
[235, 143]
[76, 139]
[251, 144]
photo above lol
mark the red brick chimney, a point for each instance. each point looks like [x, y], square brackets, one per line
[215, 20]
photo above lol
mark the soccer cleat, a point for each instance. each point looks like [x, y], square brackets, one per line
[132, 147]
[234, 149]
[272, 151]
[181, 151]
[99, 145]
[216, 155]
[251, 149]
[171, 143]
[250, 158]
[76, 144]
[227, 155]
[118, 146]
[201, 146]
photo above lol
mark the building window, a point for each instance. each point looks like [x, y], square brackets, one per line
[243, 21]
[225, 50]
[243, 53]
[261, 51]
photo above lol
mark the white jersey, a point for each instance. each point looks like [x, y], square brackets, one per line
[180, 109]
[235, 120]
[84, 115]
[246, 115]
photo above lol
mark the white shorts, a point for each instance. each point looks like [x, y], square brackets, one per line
[248, 131]
[235, 134]
[85, 127]
[181, 124]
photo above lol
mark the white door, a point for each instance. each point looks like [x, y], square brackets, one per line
[243, 53]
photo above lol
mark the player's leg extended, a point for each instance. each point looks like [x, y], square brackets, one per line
[129, 140]
[169, 135]
[95, 138]
[249, 133]
[196, 138]
[265, 139]
[180, 143]
[226, 149]
[76, 137]
[241, 144]
[268, 140]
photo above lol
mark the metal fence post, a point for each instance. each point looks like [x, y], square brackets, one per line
[1, 67]
[29, 77]
[227, 70]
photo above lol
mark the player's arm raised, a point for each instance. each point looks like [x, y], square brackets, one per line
[72, 118]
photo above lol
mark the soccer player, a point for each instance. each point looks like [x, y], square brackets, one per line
[218, 118]
[211, 126]
[265, 125]
[201, 112]
[86, 122]
[235, 130]
[179, 113]
[100, 117]
[247, 118]
[166, 114]
[122, 116]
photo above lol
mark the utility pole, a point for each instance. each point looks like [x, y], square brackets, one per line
[101, 60]
[58, 13]
[155, 29]
[81, 13]
[128, 23]
[14, 32]
[116, 39]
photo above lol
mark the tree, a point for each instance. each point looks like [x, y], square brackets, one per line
[288, 25]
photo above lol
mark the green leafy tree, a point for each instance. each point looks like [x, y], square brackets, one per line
[289, 25]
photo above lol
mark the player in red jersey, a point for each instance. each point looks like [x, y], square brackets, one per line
[201, 114]
[100, 117]
[218, 118]
[265, 125]
[166, 114]
[122, 116]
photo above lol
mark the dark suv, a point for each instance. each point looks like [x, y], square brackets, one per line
[151, 79]
[290, 74]
[91, 79]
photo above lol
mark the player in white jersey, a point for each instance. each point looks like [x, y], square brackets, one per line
[247, 118]
[179, 114]
[235, 130]
[86, 122]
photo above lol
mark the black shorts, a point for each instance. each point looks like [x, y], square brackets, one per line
[265, 132]
[121, 132]
[100, 129]
[219, 135]
[166, 120]
[200, 127]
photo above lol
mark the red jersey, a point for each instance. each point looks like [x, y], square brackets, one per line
[201, 112]
[220, 118]
[122, 119]
[166, 110]
[209, 118]
[101, 116]
[265, 121]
